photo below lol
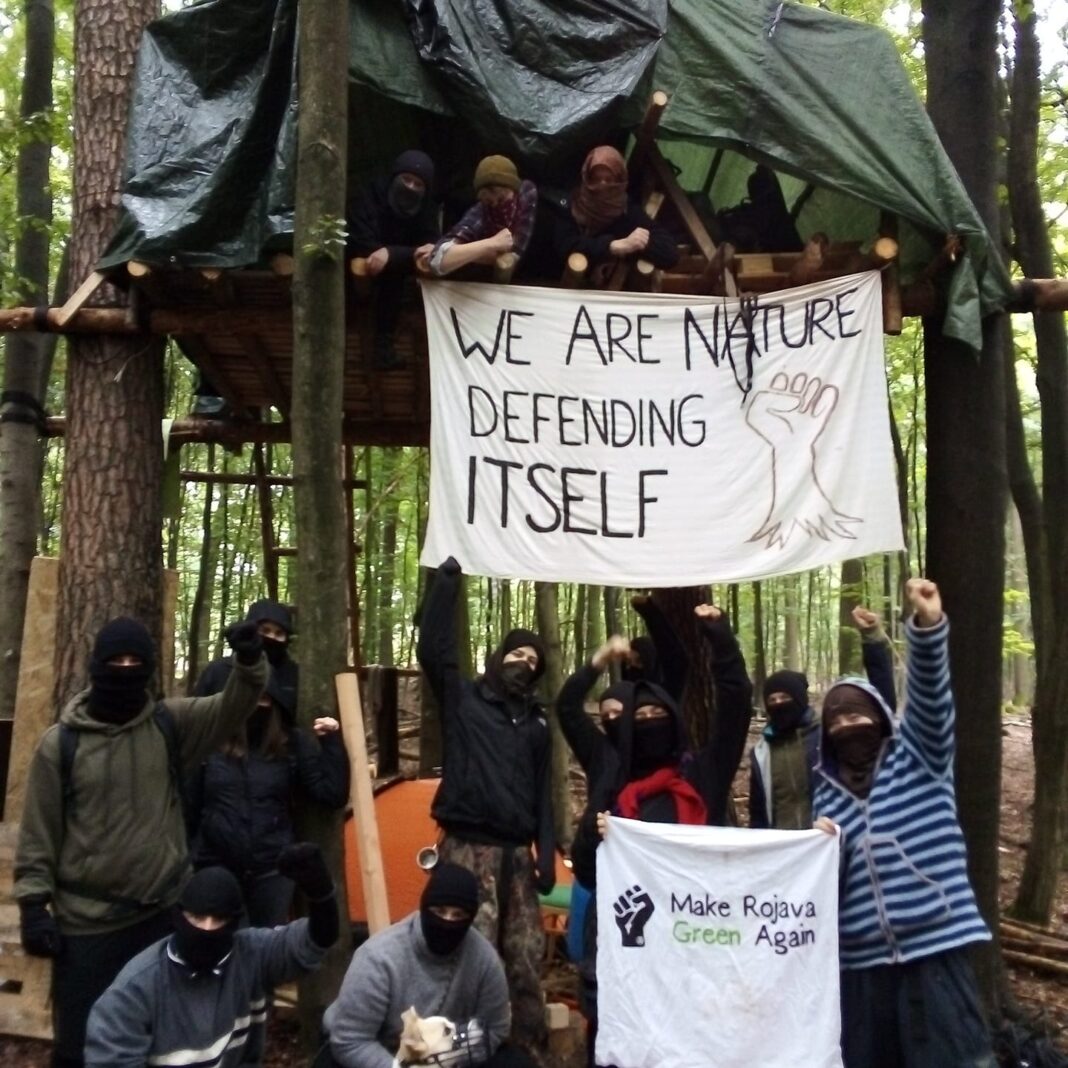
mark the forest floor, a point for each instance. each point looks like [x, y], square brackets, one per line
[1041, 998]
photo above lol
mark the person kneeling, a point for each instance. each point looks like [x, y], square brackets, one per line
[430, 963]
[200, 995]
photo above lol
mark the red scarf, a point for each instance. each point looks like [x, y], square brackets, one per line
[688, 804]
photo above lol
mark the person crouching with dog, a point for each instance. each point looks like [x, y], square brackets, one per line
[428, 990]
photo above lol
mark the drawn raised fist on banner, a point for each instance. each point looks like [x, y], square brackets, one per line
[633, 908]
[790, 416]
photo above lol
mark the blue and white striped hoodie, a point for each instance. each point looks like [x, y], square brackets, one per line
[904, 889]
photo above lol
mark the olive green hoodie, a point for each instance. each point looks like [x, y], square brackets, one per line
[119, 853]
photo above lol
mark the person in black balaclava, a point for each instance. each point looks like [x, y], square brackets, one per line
[782, 765]
[392, 223]
[658, 656]
[199, 996]
[434, 963]
[855, 728]
[495, 800]
[102, 851]
[239, 801]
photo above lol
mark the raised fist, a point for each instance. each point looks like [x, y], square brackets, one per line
[926, 601]
[633, 909]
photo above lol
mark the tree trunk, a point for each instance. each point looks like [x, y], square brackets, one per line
[791, 637]
[318, 371]
[966, 477]
[200, 612]
[548, 616]
[111, 554]
[386, 572]
[760, 660]
[1045, 521]
[850, 592]
[27, 357]
[578, 627]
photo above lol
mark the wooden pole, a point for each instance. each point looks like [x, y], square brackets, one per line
[365, 821]
[575, 271]
[504, 267]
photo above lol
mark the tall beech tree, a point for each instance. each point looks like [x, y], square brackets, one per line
[966, 475]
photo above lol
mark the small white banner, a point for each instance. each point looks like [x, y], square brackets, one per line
[652, 440]
[717, 947]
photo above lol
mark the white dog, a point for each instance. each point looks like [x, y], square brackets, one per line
[435, 1040]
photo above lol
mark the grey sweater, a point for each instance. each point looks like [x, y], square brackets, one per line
[394, 971]
[159, 1013]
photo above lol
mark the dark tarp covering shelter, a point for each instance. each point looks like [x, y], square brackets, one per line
[824, 100]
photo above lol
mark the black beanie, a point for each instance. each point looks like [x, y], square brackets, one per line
[792, 683]
[514, 639]
[123, 636]
[414, 162]
[212, 892]
[449, 884]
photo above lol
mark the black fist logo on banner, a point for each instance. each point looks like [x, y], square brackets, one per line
[633, 908]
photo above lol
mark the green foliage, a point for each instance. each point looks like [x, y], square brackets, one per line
[326, 238]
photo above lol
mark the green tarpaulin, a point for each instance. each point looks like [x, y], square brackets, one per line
[822, 99]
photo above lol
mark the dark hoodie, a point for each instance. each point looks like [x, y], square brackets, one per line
[663, 657]
[496, 781]
[612, 764]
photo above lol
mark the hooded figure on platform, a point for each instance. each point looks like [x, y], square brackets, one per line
[494, 804]
[102, 853]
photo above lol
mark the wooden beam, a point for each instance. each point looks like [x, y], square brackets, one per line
[669, 184]
[718, 276]
[77, 299]
[810, 260]
[361, 277]
[365, 820]
[137, 269]
[258, 356]
[236, 432]
[283, 264]
[646, 135]
[227, 478]
[886, 248]
[504, 267]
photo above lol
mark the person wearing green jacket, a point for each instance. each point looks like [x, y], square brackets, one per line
[102, 854]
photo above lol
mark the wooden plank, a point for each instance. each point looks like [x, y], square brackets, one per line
[669, 184]
[25, 993]
[34, 711]
[372, 870]
[261, 360]
[79, 297]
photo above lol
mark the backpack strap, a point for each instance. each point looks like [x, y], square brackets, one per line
[68, 746]
[164, 720]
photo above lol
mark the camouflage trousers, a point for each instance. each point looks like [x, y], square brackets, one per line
[510, 917]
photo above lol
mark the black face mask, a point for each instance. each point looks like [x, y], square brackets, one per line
[785, 717]
[405, 201]
[443, 937]
[612, 729]
[118, 694]
[275, 650]
[202, 950]
[654, 745]
[517, 678]
[857, 747]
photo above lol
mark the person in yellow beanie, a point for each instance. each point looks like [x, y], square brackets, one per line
[500, 220]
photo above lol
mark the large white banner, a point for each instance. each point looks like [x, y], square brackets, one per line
[717, 948]
[652, 440]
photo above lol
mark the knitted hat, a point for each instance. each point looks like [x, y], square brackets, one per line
[791, 683]
[414, 162]
[519, 637]
[123, 636]
[496, 170]
[449, 884]
[212, 892]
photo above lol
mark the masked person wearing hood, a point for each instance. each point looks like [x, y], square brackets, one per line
[782, 765]
[598, 219]
[639, 763]
[102, 852]
[199, 996]
[393, 222]
[495, 798]
[239, 801]
[432, 961]
[907, 912]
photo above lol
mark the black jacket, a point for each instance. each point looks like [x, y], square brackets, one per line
[710, 769]
[664, 659]
[239, 807]
[557, 235]
[373, 224]
[496, 779]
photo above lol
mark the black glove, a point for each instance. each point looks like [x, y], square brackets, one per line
[303, 863]
[450, 566]
[545, 880]
[245, 640]
[40, 935]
